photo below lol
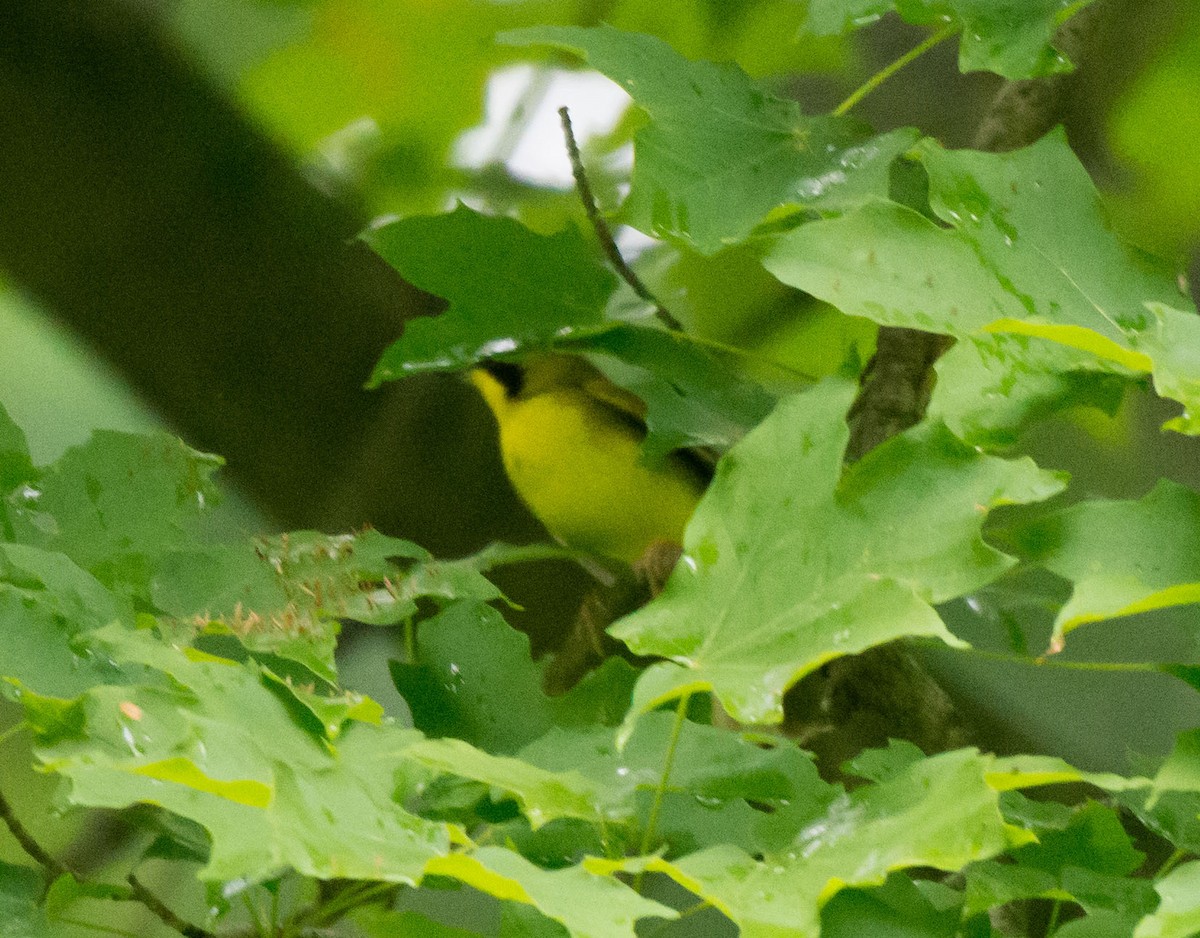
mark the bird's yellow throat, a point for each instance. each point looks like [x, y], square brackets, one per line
[571, 445]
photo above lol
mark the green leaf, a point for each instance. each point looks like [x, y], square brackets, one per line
[790, 563]
[1124, 557]
[511, 290]
[21, 915]
[692, 398]
[1026, 251]
[720, 152]
[1012, 38]
[284, 595]
[878, 765]
[898, 907]
[940, 813]
[991, 386]
[712, 764]
[589, 904]
[1098, 925]
[1173, 815]
[1178, 915]
[991, 884]
[1181, 770]
[15, 465]
[215, 744]
[1094, 840]
[544, 796]
[375, 922]
[507, 287]
[475, 681]
[47, 604]
[117, 504]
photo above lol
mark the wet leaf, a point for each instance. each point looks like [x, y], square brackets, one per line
[1027, 251]
[721, 152]
[788, 563]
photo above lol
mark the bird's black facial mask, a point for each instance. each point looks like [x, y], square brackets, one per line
[510, 376]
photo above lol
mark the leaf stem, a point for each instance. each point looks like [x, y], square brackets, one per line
[13, 731]
[889, 70]
[1143, 667]
[1052, 921]
[1170, 863]
[162, 913]
[584, 188]
[1067, 12]
[661, 790]
[410, 640]
[726, 349]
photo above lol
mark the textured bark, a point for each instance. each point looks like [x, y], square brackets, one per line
[862, 701]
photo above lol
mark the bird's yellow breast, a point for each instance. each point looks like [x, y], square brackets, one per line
[576, 462]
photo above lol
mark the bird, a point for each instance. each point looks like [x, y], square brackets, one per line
[571, 444]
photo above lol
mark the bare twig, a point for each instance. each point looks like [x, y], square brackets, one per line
[56, 868]
[584, 188]
[25, 839]
[162, 913]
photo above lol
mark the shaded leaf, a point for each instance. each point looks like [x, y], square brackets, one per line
[507, 286]
[116, 504]
[47, 605]
[285, 594]
[1012, 38]
[21, 915]
[589, 904]
[475, 681]
[1123, 557]
[15, 464]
